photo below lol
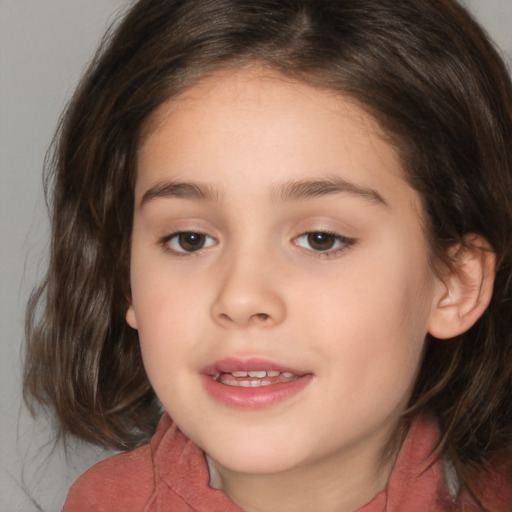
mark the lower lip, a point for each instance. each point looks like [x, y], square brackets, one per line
[261, 397]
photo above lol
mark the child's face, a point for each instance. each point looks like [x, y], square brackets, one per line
[301, 250]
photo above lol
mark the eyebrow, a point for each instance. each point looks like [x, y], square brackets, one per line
[306, 189]
[185, 190]
[288, 191]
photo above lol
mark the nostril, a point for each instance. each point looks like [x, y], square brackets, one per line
[256, 318]
[225, 317]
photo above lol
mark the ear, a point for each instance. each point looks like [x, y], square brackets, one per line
[131, 319]
[466, 290]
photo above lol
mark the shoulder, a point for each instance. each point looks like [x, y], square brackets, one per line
[112, 484]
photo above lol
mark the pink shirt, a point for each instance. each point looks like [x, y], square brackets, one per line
[171, 475]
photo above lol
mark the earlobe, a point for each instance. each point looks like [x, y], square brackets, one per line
[131, 319]
[466, 290]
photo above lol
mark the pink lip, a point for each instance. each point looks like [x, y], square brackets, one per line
[252, 398]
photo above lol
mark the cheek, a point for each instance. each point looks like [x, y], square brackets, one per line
[164, 306]
[163, 296]
[372, 324]
[166, 344]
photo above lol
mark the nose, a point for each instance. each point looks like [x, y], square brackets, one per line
[249, 295]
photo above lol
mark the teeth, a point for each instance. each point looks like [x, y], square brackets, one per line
[247, 383]
[256, 383]
[257, 378]
[258, 374]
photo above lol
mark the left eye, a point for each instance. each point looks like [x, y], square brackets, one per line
[321, 241]
[189, 241]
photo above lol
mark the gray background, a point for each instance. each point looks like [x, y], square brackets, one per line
[44, 45]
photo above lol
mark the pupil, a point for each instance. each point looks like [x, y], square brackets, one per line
[321, 241]
[191, 241]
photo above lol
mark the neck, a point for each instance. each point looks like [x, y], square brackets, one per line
[343, 482]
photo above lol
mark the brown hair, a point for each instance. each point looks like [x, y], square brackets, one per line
[423, 68]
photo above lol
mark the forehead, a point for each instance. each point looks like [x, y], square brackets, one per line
[257, 93]
[242, 127]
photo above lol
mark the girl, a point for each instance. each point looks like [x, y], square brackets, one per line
[282, 231]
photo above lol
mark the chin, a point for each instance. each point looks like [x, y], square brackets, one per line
[255, 457]
[256, 466]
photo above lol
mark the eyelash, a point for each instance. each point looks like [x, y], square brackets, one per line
[341, 243]
[166, 242]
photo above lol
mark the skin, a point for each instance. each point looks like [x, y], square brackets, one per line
[354, 316]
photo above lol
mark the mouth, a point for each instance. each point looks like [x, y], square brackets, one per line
[253, 383]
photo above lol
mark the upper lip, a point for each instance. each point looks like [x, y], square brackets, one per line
[233, 364]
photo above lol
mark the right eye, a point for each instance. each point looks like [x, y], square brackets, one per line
[187, 241]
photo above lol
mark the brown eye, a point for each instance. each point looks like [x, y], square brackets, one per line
[321, 241]
[189, 241]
